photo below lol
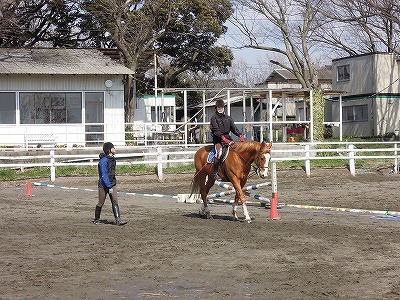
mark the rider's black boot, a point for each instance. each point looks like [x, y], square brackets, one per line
[117, 215]
[216, 165]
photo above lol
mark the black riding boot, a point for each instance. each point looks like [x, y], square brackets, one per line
[117, 215]
[97, 213]
[216, 165]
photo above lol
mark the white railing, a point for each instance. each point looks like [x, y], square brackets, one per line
[163, 157]
[85, 135]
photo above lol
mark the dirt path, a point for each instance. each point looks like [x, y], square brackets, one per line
[51, 250]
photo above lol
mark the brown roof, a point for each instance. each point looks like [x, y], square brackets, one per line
[58, 61]
[283, 75]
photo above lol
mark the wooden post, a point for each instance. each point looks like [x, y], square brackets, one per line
[52, 167]
[307, 161]
[352, 164]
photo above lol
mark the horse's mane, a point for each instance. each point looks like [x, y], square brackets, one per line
[250, 145]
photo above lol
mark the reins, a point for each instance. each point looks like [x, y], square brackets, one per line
[255, 168]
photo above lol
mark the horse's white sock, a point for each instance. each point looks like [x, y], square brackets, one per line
[246, 212]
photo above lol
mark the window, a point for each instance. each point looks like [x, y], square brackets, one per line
[343, 73]
[50, 108]
[7, 108]
[300, 114]
[355, 113]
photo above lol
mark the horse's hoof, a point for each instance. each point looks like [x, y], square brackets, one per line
[248, 221]
[209, 216]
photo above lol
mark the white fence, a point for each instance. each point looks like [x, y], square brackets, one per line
[171, 156]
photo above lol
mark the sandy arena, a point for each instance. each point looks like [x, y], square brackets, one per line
[51, 250]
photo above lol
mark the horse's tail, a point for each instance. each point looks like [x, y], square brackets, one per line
[200, 161]
[195, 186]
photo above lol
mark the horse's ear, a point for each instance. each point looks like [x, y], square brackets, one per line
[264, 144]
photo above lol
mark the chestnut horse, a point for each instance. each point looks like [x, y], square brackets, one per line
[234, 169]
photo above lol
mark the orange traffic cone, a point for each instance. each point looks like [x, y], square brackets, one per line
[273, 214]
[28, 192]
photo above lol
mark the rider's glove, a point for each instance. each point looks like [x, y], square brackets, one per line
[226, 141]
[242, 138]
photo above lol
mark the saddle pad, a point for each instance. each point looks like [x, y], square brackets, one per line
[210, 157]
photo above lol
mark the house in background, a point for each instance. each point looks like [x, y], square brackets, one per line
[371, 106]
[151, 113]
[61, 96]
[282, 79]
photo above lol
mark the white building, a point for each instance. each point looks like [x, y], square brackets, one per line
[371, 106]
[61, 96]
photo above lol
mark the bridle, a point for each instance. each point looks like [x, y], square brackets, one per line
[256, 168]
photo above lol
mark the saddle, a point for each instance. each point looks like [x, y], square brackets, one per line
[211, 155]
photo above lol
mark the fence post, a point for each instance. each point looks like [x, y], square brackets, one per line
[396, 166]
[52, 167]
[159, 164]
[352, 164]
[307, 161]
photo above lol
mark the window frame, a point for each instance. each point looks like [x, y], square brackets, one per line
[343, 72]
[355, 117]
[50, 108]
[8, 114]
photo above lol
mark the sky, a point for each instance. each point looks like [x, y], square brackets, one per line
[233, 38]
[257, 66]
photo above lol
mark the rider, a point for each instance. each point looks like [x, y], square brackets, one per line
[221, 125]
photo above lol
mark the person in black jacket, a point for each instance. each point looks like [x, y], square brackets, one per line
[221, 125]
[107, 184]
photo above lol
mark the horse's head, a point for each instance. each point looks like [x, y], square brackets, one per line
[262, 159]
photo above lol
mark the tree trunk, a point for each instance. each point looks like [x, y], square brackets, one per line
[130, 99]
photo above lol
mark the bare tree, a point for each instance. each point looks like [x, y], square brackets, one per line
[360, 26]
[284, 28]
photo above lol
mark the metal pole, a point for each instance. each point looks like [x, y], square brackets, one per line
[185, 135]
[396, 160]
[340, 118]
[284, 134]
[311, 116]
[155, 89]
[228, 96]
[270, 115]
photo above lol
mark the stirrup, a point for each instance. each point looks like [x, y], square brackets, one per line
[217, 177]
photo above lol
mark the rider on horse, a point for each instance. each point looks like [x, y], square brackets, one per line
[221, 125]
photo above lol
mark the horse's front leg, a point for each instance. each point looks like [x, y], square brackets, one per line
[246, 212]
[234, 209]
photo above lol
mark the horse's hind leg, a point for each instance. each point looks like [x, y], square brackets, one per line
[204, 189]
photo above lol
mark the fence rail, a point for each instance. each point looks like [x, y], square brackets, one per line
[165, 156]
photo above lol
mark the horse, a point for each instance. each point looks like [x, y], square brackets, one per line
[235, 169]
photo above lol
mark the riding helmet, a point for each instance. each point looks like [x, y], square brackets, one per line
[219, 103]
